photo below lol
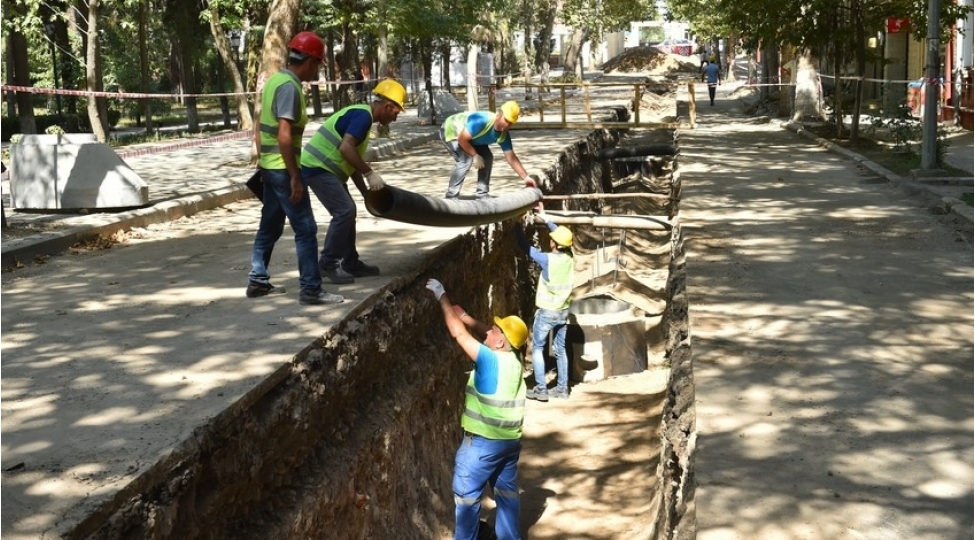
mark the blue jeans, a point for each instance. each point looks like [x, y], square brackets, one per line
[480, 462]
[339, 244]
[463, 164]
[277, 207]
[547, 320]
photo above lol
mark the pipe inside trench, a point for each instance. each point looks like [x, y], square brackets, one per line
[355, 438]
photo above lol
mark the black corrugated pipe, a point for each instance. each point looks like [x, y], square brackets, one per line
[635, 151]
[408, 207]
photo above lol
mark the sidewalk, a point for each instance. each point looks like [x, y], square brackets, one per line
[831, 315]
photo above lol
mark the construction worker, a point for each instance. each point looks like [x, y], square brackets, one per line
[333, 155]
[467, 136]
[278, 134]
[553, 297]
[494, 411]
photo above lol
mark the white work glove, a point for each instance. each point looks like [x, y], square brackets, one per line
[478, 162]
[436, 288]
[374, 181]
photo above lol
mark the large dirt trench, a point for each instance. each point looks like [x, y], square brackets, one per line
[355, 437]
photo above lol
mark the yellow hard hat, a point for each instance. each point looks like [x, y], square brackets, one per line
[562, 236]
[393, 91]
[514, 329]
[511, 111]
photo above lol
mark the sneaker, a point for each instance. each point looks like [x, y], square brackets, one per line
[336, 275]
[259, 289]
[537, 393]
[361, 269]
[560, 394]
[486, 196]
[320, 298]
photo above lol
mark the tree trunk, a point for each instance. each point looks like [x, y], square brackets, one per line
[144, 66]
[809, 99]
[244, 120]
[426, 59]
[282, 20]
[17, 44]
[472, 97]
[574, 51]
[861, 60]
[97, 107]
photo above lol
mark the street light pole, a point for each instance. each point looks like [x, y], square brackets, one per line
[932, 105]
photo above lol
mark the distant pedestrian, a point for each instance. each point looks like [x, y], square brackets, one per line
[467, 136]
[278, 134]
[494, 411]
[332, 156]
[712, 74]
[553, 297]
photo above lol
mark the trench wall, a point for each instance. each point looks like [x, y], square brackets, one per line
[354, 439]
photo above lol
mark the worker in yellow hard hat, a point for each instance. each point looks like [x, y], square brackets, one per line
[332, 156]
[494, 411]
[468, 136]
[553, 296]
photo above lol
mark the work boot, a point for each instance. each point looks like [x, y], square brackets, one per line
[260, 289]
[335, 274]
[484, 197]
[559, 393]
[539, 393]
[319, 298]
[361, 269]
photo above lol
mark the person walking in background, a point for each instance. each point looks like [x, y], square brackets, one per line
[553, 297]
[494, 411]
[333, 155]
[467, 136]
[278, 133]
[712, 74]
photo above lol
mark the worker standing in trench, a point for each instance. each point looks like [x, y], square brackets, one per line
[552, 299]
[333, 155]
[494, 411]
[468, 136]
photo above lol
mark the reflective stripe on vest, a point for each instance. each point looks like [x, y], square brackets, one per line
[270, 150]
[499, 415]
[554, 293]
[322, 150]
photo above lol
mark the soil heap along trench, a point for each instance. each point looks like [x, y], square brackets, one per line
[355, 438]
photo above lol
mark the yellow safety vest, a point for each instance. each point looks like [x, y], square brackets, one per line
[499, 415]
[322, 150]
[554, 293]
[270, 151]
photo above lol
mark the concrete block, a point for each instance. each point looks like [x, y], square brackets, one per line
[605, 338]
[70, 172]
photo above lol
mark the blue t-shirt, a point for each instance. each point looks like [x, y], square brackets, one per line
[477, 121]
[356, 122]
[486, 370]
[712, 72]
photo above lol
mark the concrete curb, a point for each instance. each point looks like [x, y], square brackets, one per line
[955, 206]
[81, 228]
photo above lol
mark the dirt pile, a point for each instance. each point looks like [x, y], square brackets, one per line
[648, 60]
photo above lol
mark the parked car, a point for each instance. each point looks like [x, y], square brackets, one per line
[684, 47]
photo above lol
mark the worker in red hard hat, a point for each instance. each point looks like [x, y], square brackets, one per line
[278, 133]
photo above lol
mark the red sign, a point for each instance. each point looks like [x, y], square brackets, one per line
[897, 24]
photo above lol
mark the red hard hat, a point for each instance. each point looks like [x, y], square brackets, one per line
[308, 43]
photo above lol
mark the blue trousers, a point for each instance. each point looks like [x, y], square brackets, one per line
[479, 462]
[277, 207]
